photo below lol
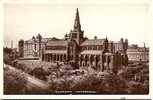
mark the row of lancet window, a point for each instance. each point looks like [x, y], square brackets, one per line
[92, 47]
[55, 57]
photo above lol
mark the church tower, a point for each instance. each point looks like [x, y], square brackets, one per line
[77, 33]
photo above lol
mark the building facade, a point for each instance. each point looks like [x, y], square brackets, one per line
[136, 53]
[75, 48]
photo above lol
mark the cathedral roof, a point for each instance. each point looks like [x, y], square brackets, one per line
[57, 43]
[93, 42]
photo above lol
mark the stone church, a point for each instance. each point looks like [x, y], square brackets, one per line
[75, 48]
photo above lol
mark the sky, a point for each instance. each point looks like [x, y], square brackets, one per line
[115, 19]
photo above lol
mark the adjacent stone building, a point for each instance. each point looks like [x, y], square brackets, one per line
[136, 53]
[75, 48]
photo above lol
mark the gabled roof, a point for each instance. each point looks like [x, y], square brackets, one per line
[56, 51]
[57, 43]
[93, 42]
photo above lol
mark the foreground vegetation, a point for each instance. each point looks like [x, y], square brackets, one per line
[62, 77]
[14, 82]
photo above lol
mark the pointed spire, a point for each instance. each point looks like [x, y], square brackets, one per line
[77, 25]
[77, 14]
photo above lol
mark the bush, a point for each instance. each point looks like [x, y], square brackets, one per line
[7, 59]
[100, 83]
[22, 67]
[40, 73]
[14, 82]
[138, 88]
[137, 79]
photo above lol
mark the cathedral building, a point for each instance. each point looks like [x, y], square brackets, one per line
[75, 48]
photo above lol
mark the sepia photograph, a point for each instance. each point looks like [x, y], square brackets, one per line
[94, 47]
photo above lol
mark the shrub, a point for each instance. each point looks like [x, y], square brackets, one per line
[7, 59]
[22, 67]
[104, 83]
[101, 83]
[40, 73]
[137, 88]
